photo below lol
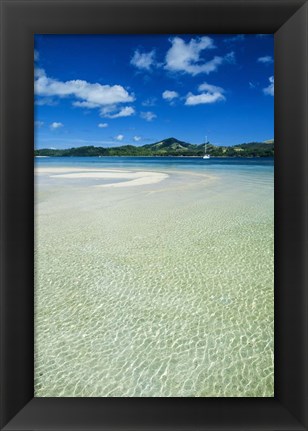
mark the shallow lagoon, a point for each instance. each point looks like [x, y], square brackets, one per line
[163, 289]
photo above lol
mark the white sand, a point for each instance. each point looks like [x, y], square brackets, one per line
[64, 170]
[134, 178]
[141, 181]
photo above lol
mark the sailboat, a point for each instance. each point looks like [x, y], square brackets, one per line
[206, 156]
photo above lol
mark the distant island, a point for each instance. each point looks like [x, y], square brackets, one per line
[167, 147]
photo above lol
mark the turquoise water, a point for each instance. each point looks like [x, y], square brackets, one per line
[192, 163]
[158, 289]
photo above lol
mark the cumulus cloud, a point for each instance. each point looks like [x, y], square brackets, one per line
[151, 101]
[209, 94]
[38, 123]
[119, 137]
[39, 73]
[89, 95]
[137, 138]
[185, 57]
[265, 59]
[106, 111]
[270, 89]
[109, 112]
[56, 125]
[102, 125]
[230, 57]
[143, 60]
[198, 99]
[45, 101]
[169, 95]
[148, 116]
[210, 88]
[85, 104]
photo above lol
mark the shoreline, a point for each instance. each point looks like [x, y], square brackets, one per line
[160, 157]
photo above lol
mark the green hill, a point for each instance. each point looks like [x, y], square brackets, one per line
[167, 147]
[167, 144]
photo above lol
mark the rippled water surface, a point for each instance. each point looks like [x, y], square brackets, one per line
[156, 290]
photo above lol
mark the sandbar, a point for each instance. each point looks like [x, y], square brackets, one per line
[131, 178]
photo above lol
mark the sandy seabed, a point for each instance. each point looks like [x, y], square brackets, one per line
[153, 283]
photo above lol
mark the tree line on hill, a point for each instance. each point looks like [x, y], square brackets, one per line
[166, 147]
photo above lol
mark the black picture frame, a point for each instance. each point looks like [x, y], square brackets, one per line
[20, 20]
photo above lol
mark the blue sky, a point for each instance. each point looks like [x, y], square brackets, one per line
[110, 90]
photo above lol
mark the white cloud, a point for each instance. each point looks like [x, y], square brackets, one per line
[90, 95]
[38, 123]
[151, 101]
[270, 89]
[210, 88]
[252, 85]
[169, 95]
[143, 60]
[198, 99]
[56, 125]
[209, 94]
[45, 101]
[137, 138]
[265, 59]
[119, 137]
[108, 112]
[85, 104]
[36, 55]
[185, 57]
[102, 125]
[148, 116]
[230, 57]
[39, 73]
